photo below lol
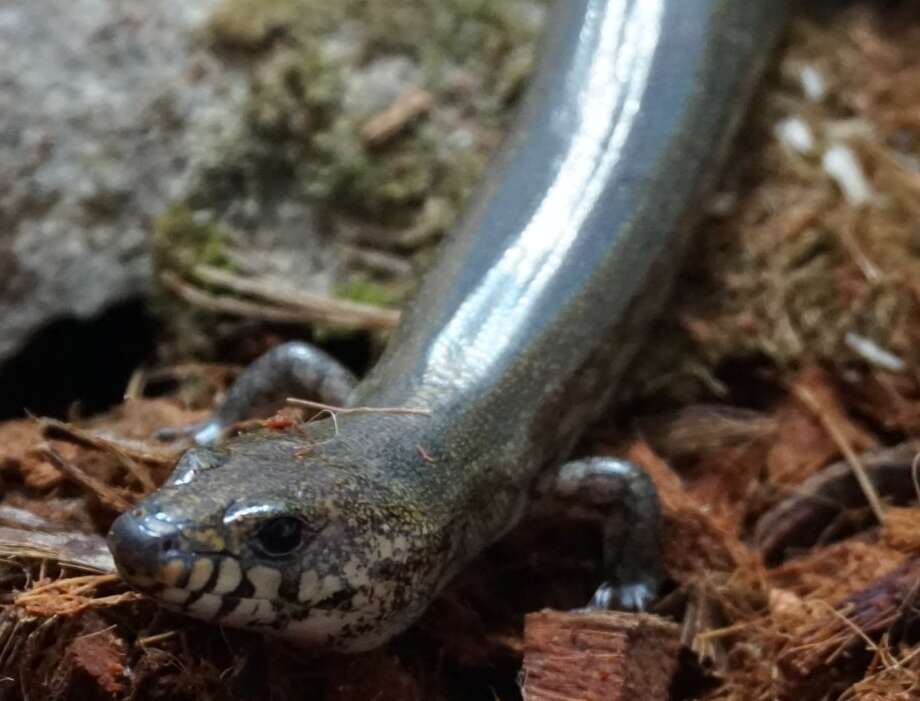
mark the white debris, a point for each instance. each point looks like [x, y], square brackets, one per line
[848, 129]
[795, 134]
[842, 165]
[722, 204]
[872, 353]
[813, 84]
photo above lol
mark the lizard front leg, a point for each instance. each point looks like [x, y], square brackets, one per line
[291, 369]
[622, 497]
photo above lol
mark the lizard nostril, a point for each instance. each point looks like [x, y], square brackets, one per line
[138, 544]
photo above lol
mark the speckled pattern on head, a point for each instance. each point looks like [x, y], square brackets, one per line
[361, 562]
[341, 534]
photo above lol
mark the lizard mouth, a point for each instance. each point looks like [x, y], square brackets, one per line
[217, 589]
[226, 609]
[213, 586]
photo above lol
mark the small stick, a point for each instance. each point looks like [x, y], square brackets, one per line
[915, 474]
[379, 261]
[231, 305]
[836, 434]
[91, 440]
[213, 373]
[81, 583]
[101, 631]
[159, 637]
[387, 123]
[323, 308]
[136, 384]
[105, 494]
[294, 401]
[852, 245]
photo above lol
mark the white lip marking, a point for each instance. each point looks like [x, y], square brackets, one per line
[312, 588]
[206, 606]
[322, 627]
[172, 571]
[172, 595]
[309, 584]
[229, 577]
[249, 612]
[201, 573]
[265, 581]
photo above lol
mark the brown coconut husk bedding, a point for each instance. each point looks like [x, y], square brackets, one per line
[776, 413]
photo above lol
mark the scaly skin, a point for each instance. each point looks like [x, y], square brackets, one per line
[513, 345]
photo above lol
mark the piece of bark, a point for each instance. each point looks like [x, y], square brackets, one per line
[853, 623]
[93, 664]
[78, 550]
[591, 655]
[799, 520]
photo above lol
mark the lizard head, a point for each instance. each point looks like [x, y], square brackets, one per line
[279, 536]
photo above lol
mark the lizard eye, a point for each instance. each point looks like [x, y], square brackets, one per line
[280, 536]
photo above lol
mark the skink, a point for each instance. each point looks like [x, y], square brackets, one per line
[340, 532]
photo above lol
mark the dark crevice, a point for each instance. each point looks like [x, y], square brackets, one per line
[77, 364]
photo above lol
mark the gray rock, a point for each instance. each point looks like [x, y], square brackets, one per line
[109, 111]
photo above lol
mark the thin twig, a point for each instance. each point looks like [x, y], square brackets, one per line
[101, 631]
[104, 493]
[316, 307]
[135, 386]
[231, 305]
[91, 440]
[836, 434]
[387, 123]
[333, 417]
[852, 245]
[850, 624]
[72, 584]
[159, 637]
[213, 373]
[378, 261]
[915, 474]
[357, 409]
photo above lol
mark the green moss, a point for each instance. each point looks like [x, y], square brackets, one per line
[471, 55]
[361, 288]
[183, 238]
[249, 24]
[303, 120]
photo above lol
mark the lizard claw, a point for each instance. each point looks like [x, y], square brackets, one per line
[635, 596]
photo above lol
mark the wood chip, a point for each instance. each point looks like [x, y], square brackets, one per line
[592, 655]
[384, 125]
[799, 520]
[856, 621]
[96, 661]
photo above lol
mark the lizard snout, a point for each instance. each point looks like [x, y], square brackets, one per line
[141, 545]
